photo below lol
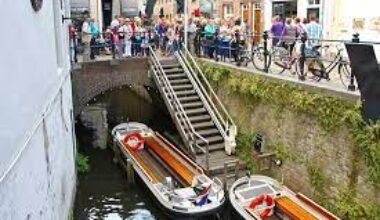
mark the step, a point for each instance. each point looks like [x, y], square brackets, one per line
[176, 76]
[208, 132]
[196, 111]
[169, 66]
[179, 81]
[182, 87]
[186, 93]
[189, 99]
[203, 125]
[172, 71]
[168, 61]
[212, 148]
[192, 105]
[213, 140]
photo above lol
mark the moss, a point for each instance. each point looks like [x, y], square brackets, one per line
[82, 164]
[332, 114]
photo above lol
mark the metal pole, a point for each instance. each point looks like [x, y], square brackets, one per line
[186, 12]
[266, 52]
[352, 87]
[302, 58]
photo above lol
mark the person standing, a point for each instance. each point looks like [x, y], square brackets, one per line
[191, 32]
[314, 31]
[210, 30]
[276, 30]
[299, 26]
[86, 40]
[289, 35]
[94, 36]
[127, 30]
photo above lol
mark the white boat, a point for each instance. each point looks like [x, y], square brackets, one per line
[179, 185]
[261, 197]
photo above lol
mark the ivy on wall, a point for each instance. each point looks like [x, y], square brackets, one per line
[331, 112]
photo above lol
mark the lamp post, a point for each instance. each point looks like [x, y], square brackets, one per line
[186, 26]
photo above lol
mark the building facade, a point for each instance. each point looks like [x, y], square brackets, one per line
[37, 140]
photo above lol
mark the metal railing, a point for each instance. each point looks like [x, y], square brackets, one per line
[184, 123]
[217, 110]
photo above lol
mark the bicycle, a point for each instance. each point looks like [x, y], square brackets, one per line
[280, 56]
[314, 64]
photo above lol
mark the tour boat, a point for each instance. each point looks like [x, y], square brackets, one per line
[260, 197]
[178, 184]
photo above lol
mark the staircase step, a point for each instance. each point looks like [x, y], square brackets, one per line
[212, 148]
[169, 66]
[172, 71]
[208, 132]
[189, 99]
[200, 125]
[199, 118]
[183, 87]
[186, 93]
[176, 76]
[213, 140]
[195, 111]
[168, 61]
[192, 105]
[179, 81]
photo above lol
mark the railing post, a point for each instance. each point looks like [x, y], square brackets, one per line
[351, 87]
[303, 57]
[266, 52]
[207, 159]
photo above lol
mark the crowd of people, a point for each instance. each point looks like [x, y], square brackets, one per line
[213, 38]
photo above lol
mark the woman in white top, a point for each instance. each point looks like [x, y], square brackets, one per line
[126, 29]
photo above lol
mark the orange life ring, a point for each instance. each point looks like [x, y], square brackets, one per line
[259, 200]
[134, 137]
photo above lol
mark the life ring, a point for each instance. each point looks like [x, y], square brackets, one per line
[134, 140]
[259, 200]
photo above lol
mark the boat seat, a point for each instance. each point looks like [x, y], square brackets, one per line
[173, 162]
[293, 210]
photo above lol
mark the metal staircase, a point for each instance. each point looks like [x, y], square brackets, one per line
[202, 121]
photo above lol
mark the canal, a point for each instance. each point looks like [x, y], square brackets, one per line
[104, 193]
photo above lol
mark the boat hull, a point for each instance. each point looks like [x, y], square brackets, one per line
[167, 207]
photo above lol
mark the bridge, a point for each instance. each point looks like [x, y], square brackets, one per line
[206, 128]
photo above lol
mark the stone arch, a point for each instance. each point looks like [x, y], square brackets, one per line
[94, 78]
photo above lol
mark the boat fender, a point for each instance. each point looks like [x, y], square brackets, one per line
[268, 211]
[134, 140]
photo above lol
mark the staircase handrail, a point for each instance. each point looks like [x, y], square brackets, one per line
[204, 97]
[227, 121]
[179, 107]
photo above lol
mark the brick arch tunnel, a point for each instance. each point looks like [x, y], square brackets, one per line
[94, 78]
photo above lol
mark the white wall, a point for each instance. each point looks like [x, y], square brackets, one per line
[37, 174]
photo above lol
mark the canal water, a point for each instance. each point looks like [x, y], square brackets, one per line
[104, 193]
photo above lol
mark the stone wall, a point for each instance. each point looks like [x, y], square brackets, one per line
[318, 163]
[93, 78]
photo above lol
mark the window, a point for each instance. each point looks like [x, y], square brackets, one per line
[228, 10]
[314, 2]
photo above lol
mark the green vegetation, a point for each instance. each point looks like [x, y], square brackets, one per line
[331, 113]
[82, 164]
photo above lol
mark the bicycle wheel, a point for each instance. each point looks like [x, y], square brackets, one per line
[344, 70]
[258, 59]
[280, 59]
[312, 66]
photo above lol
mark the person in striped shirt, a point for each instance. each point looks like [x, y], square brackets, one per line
[314, 31]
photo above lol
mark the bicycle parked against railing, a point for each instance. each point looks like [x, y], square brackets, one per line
[278, 59]
[315, 65]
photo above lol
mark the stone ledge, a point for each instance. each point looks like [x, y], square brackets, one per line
[315, 87]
